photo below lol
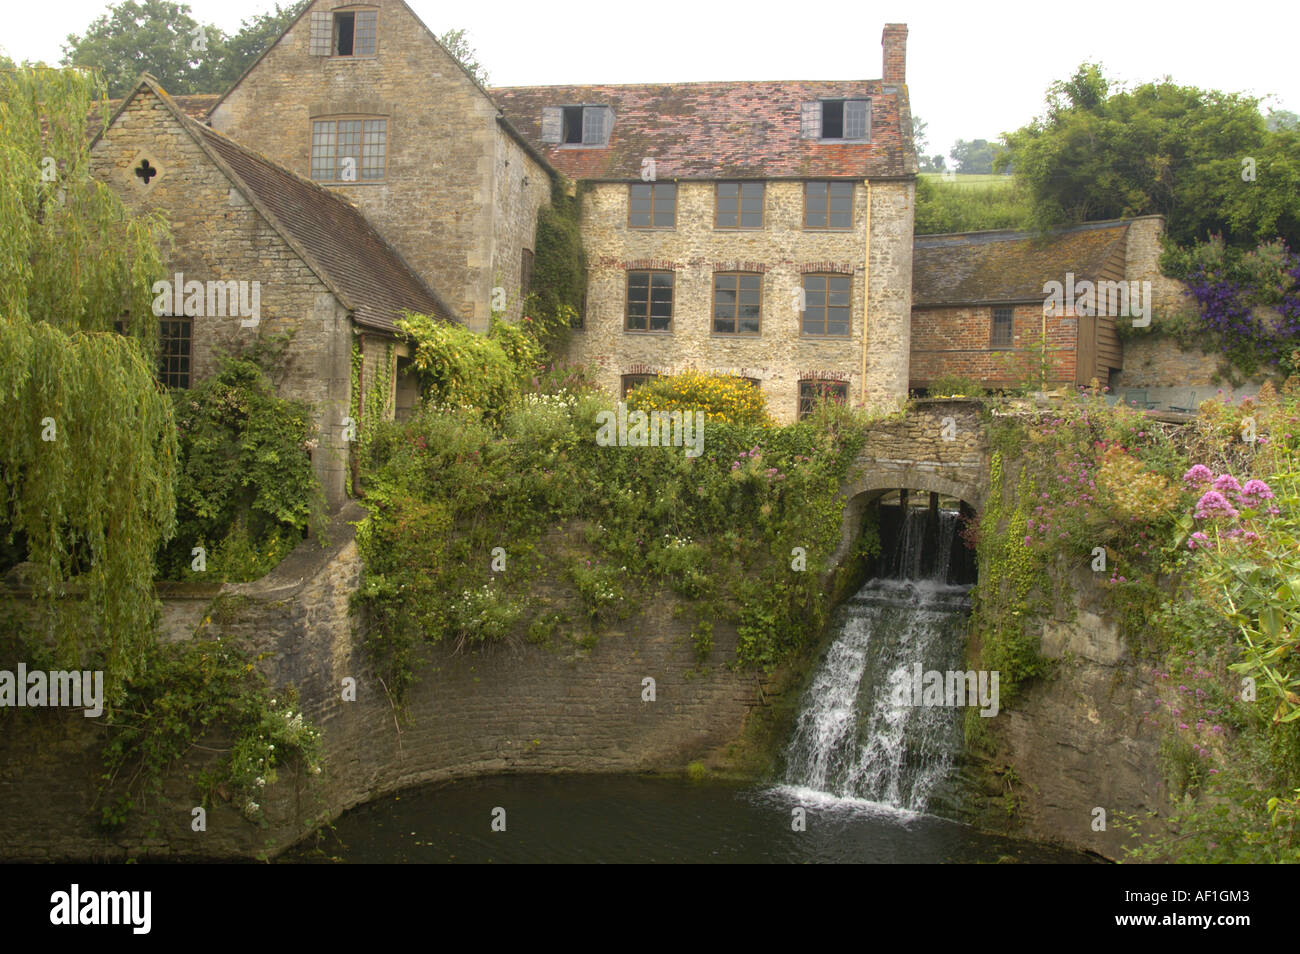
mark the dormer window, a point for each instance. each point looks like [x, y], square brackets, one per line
[837, 120]
[577, 125]
[344, 32]
[844, 119]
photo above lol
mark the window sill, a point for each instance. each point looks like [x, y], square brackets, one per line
[752, 228]
[348, 57]
[580, 145]
[736, 335]
[639, 331]
[848, 142]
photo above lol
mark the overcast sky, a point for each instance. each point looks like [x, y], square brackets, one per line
[974, 70]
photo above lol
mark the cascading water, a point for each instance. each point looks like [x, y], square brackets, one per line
[851, 739]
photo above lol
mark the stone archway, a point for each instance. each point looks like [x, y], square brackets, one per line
[865, 487]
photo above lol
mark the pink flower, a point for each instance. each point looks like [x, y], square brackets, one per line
[1227, 484]
[1214, 504]
[1198, 475]
[1256, 490]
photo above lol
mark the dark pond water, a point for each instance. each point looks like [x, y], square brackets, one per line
[634, 819]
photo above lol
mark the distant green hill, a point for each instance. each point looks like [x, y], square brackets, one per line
[979, 181]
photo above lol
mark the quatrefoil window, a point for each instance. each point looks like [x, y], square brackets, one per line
[144, 171]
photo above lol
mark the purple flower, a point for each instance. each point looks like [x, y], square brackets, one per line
[1198, 540]
[1227, 484]
[1214, 504]
[1198, 476]
[1256, 490]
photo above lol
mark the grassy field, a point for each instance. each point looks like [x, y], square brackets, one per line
[980, 181]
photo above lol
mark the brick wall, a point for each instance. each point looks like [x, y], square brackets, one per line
[782, 250]
[956, 341]
[217, 235]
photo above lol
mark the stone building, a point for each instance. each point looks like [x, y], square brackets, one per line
[758, 229]
[258, 250]
[363, 99]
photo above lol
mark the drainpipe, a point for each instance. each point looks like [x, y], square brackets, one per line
[866, 296]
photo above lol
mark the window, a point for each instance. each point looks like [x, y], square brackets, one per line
[631, 381]
[828, 205]
[354, 33]
[810, 392]
[577, 125]
[1001, 335]
[844, 119]
[525, 271]
[737, 301]
[652, 206]
[348, 150]
[649, 301]
[739, 205]
[174, 352]
[826, 305]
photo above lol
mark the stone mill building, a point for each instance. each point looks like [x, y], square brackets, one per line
[761, 229]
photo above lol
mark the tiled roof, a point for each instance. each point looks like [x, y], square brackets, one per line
[329, 233]
[718, 130]
[1009, 266]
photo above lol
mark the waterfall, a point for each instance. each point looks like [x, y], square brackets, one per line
[851, 739]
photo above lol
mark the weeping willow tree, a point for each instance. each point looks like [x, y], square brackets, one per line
[87, 440]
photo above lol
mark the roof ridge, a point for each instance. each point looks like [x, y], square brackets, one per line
[989, 235]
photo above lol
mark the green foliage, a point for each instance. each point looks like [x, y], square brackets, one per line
[721, 397]
[162, 38]
[246, 490]
[460, 367]
[1177, 151]
[457, 45]
[87, 443]
[955, 385]
[974, 157]
[954, 207]
[1007, 603]
[192, 695]
[448, 486]
[559, 284]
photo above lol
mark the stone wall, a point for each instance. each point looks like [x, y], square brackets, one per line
[218, 236]
[511, 708]
[440, 202]
[522, 187]
[1079, 739]
[782, 251]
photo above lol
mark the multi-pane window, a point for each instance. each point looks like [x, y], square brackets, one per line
[652, 206]
[810, 392]
[827, 304]
[827, 205]
[631, 381]
[739, 205]
[174, 352]
[1001, 336]
[737, 302]
[844, 119]
[354, 33]
[348, 150]
[649, 301]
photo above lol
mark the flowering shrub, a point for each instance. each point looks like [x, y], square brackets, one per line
[721, 397]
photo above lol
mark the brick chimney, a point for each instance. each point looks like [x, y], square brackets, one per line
[894, 40]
